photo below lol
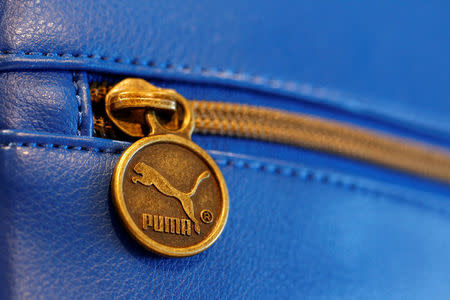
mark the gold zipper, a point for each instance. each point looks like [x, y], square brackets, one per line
[315, 133]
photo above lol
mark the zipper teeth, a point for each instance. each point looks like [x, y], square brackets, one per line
[314, 133]
[272, 125]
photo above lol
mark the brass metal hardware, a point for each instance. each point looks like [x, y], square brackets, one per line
[164, 185]
[130, 99]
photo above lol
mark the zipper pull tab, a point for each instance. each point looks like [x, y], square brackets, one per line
[169, 193]
[128, 101]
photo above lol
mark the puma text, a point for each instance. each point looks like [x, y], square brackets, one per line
[167, 224]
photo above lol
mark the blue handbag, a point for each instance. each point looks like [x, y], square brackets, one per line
[335, 156]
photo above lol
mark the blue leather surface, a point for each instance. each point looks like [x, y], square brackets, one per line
[383, 60]
[294, 231]
[54, 102]
[302, 224]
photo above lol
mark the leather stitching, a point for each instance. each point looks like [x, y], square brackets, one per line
[61, 146]
[77, 96]
[303, 174]
[290, 86]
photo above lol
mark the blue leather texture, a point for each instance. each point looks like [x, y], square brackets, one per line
[302, 224]
[55, 102]
[383, 60]
[294, 231]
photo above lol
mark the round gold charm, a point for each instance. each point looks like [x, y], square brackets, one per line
[170, 195]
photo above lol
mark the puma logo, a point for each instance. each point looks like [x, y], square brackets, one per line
[149, 176]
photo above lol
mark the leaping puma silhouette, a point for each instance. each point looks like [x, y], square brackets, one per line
[150, 176]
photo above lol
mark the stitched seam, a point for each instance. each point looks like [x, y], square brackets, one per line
[60, 146]
[291, 86]
[78, 98]
[303, 174]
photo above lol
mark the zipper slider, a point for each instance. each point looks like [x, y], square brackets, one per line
[169, 193]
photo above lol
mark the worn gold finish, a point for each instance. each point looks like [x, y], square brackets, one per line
[150, 177]
[160, 186]
[127, 103]
[169, 192]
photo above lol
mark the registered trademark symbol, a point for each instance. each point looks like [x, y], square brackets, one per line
[206, 216]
